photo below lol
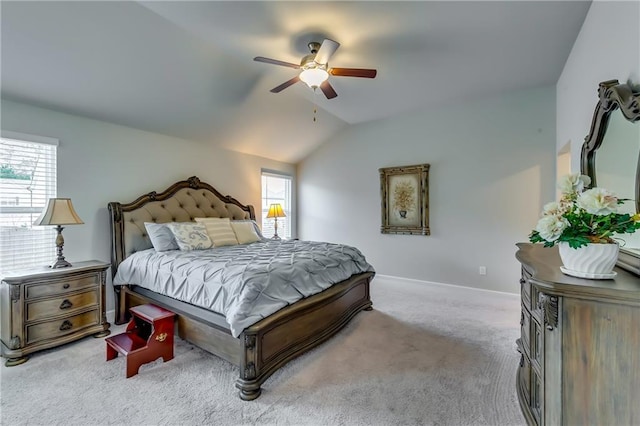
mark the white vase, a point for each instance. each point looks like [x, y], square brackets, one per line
[590, 261]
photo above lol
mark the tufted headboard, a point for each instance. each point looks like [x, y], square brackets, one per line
[181, 202]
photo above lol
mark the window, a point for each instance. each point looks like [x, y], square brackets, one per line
[27, 180]
[276, 188]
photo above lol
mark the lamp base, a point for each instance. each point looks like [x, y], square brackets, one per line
[275, 229]
[60, 263]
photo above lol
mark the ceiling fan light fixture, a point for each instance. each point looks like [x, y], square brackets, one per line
[314, 77]
[314, 69]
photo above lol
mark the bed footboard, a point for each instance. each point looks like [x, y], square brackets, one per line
[281, 337]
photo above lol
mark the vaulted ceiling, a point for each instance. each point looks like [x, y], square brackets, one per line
[186, 69]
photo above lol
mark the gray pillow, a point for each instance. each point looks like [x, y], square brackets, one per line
[161, 236]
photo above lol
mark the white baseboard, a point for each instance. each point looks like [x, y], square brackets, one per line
[422, 282]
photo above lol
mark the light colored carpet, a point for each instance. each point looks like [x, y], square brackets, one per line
[427, 355]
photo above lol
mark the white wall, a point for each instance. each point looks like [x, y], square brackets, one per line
[607, 48]
[100, 162]
[492, 169]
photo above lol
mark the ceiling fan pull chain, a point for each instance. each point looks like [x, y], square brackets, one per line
[315, 109]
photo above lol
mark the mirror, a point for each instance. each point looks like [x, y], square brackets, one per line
[611, 156]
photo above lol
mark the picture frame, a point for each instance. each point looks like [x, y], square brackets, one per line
[404, 193]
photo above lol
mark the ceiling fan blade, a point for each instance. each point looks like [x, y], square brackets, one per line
[286, 84]
[327, 49]
[328, 90]
[353, 72]
[275, 62]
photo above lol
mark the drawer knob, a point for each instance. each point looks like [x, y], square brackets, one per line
[66, 286]
[66, 304]
[66, 325]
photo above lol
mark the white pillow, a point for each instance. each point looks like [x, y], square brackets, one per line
[255, 226]
[245, 232]
[190, 236]
[219, 230]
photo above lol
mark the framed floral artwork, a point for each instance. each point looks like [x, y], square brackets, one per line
[404, 193]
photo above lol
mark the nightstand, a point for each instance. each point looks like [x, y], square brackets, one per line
[42, 308]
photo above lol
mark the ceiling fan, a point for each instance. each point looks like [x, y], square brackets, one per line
[315, 68]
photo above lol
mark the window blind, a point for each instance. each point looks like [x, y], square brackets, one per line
[27, 181]
[276, 188]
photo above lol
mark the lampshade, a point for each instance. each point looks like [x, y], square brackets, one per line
[275, 210]
[314, 77]
[59, 211]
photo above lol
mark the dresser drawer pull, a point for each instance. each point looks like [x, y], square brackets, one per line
[66, 286]
[66, 325]
[66, 304]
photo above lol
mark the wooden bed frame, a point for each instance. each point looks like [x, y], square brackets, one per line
[261, 348]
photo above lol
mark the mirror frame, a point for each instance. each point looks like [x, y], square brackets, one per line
[612, 96]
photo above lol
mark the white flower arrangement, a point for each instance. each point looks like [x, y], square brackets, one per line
[582, 217]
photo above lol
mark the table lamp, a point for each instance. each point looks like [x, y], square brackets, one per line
[59, 212]
[275, 211]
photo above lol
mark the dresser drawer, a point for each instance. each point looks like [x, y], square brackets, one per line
[537, 344]
[537, 396]
[524, 377]
[536, 311]
[525, 288]
[525, 330]
[57, 328]
[61, 305]
[61, 286]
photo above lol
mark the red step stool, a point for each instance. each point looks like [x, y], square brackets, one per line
[149, 336]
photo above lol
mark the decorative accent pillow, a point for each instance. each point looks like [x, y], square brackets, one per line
[219, 230]
[255, 226]
[190, 236]
[161, 236]
[245, 232]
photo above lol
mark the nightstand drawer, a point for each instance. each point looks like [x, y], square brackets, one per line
[57, 328]
[60, 286]
[61, 305]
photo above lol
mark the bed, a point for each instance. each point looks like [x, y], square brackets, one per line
[259, 349]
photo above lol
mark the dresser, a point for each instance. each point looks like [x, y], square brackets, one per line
[579, 345]
[42, 308]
